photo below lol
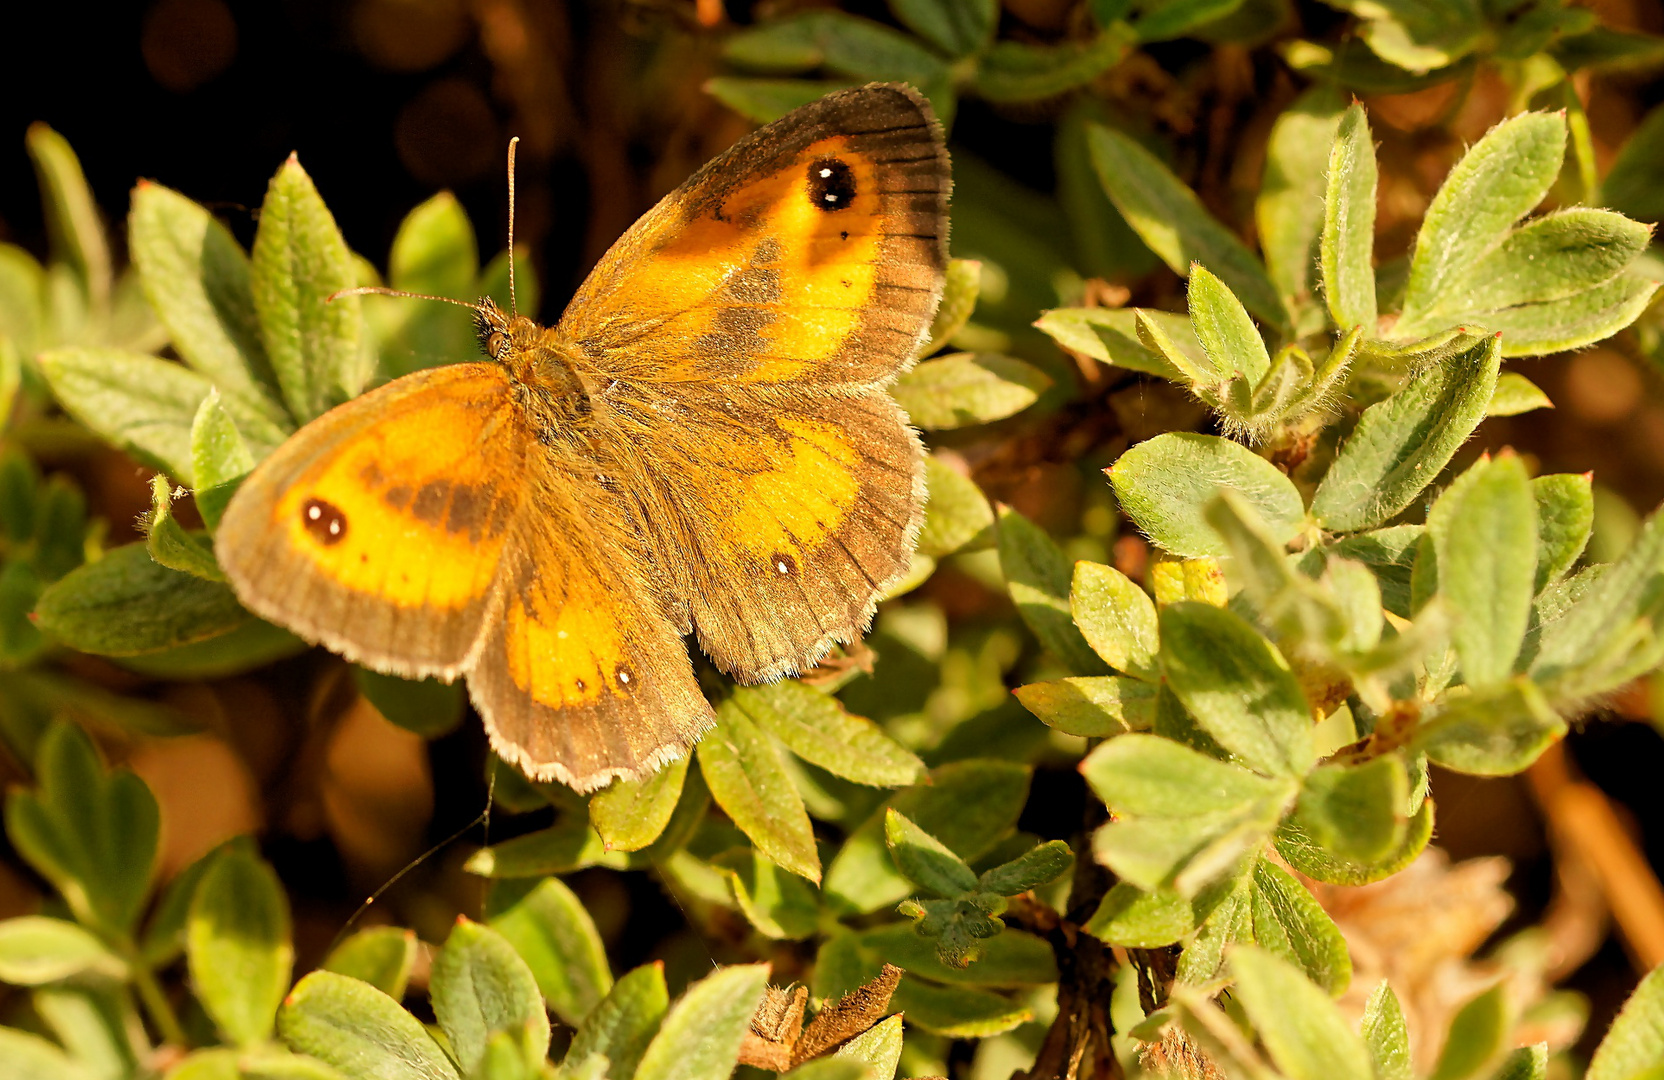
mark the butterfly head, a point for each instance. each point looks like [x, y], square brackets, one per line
[502, 335]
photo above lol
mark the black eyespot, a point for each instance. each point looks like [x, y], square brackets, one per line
[325, 521]
[626, 678]
[784, 565]
[831, 184]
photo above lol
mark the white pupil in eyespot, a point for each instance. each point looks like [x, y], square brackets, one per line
[824, 173]
[314, 513]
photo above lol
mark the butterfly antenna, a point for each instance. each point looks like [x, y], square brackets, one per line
[379, 290]
[513, 307]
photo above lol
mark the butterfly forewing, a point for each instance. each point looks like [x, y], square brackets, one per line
[809, 255]
[378, 531]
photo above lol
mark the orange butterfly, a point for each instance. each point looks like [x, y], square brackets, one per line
[703, 443]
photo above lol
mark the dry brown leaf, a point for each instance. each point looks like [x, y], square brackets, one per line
[842, 1020]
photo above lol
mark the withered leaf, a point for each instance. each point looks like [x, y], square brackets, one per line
[842, 1020]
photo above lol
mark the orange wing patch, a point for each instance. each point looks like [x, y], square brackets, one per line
[810, 255]
[381, 533]
[583, 678]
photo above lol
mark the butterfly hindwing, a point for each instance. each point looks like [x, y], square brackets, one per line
[379, 530]
[582, 678]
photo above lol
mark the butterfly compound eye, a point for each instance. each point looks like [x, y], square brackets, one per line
[831, 184]
[325, 521]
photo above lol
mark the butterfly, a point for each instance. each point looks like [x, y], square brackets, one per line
[702, 444]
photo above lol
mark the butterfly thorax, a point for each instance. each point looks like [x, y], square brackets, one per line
[549, 387]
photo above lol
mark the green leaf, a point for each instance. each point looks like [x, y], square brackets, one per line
[1357, 812]
[1145, 919]
[1238, 687]
[1181, 819]
[1296, 161]
[127, 603]
[1111, 335]
[168, 542]
[1485, 538]
[957, 27]
[1401, 444]
[30, 1057]
[967, 805]
[1303, 1031]
[72, 216]
[1417, 36]
[1549, 258]
[700, 1037]
[91, 833]
[1092, 706]
[300, 260]
[1565, 519]
[481, 986]
[957, 516]
[1014, 958]
[570, 844]
[743, 770]
[962, 389]
[220, 459]
[1037, 575]
[1304, 854]
[1165, 483]
[1576, 651]
[817, 728]
[958, 1012]
[764, 101]
[625, 1021]
[878, 1048]
[550, 928]
[1168, 217]
[1515, 394]
[1495, 732]
[961, 285]
[142, 405]
[1497, 182]
[1385, 1035]
[1576, 321]
[842, 44]
[1014, 71]
[428, 707]
[435, 253]
[780, 905]
[1635, 184]
[254, 644]
[164, 934]
[1290, 924]
[237, 945]
[1526, 1063]
[381, 956]
[1039, 865]
[1635, 1042]
[1348, 240]
[360, 1031]
[631, 814]
[1179, 18]
[1478, 1036]
[196, 276]
[925, 860]
[1222, 325]
[36, 950]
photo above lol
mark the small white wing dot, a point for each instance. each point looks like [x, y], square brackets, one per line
[334, 528]
[782, 567]
[825, 172]
[623, 676]
[313, 513]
